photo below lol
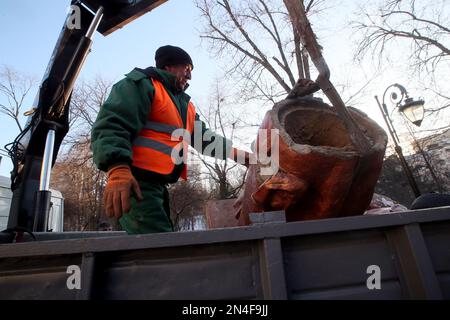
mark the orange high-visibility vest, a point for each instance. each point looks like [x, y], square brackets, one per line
[158, 144]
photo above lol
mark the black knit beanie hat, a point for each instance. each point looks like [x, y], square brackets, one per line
[170, 55]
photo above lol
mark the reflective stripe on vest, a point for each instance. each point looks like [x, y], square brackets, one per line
[156, 143]
[153, 144]
[160, 127]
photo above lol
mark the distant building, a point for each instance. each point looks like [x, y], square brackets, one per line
[436, 149]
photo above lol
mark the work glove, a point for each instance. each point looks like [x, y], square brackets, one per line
[116, 196]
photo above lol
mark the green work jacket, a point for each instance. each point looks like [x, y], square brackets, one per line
[124, 114]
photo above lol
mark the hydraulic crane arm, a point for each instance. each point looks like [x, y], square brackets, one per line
[34, 150]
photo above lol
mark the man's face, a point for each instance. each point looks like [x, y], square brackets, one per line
[182, 72]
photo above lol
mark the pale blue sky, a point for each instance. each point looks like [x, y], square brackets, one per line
[29, 30]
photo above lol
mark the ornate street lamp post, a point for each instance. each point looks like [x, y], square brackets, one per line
[413, 110]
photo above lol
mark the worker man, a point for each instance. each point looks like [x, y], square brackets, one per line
[140, 136]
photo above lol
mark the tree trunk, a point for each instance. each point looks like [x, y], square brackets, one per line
[299, 20]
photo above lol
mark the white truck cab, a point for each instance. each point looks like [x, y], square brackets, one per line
[56, 214]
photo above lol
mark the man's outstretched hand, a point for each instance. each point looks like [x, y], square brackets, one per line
[116, 196]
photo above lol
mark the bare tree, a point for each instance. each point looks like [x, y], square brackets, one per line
[187, 199]
[76, 176]
[263, 45]
[426, 30]
[423, 26]
[75, 173]
[227, 177]
[429, 160]
[14, 89]
[393, 183]
[86, 101]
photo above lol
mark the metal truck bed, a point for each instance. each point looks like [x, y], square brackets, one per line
[323, 259]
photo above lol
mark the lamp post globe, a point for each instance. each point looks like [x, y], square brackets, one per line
[413, 110]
